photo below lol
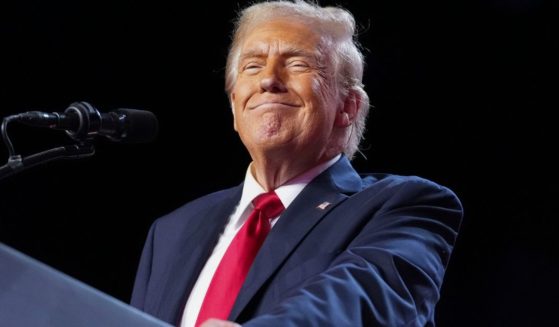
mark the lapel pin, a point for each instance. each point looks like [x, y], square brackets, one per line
[323, 205]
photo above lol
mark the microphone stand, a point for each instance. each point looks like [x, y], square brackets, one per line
[75, 151]
[17, 164]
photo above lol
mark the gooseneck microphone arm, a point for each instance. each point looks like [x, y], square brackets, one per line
[75, 151]
[16, 163]
[82, 122]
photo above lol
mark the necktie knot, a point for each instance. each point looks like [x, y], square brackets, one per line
[268, 204]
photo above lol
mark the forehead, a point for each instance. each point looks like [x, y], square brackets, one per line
[281, 35]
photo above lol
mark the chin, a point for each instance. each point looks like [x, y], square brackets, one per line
[269, 134]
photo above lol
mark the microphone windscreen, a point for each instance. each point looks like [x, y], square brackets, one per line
[140, 126]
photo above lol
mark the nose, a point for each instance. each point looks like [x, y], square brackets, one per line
[271, 80]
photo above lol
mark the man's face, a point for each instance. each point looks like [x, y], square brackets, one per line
[280, 102]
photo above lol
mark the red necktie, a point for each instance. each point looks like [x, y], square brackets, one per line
[236, 261]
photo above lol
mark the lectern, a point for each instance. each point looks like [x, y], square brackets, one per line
[34, 294]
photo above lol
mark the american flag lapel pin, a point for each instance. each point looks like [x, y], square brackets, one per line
[323, 205]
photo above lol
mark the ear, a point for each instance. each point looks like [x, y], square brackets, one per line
[232, 103]
[348, 112]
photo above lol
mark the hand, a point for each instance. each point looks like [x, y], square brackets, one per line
[219, 323]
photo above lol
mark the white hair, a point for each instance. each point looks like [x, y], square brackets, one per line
[337, 27]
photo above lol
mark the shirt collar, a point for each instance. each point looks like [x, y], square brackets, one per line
[286, 192]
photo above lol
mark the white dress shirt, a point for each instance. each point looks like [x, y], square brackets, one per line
[251, 189]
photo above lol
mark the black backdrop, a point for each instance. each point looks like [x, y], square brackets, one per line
[462, 95]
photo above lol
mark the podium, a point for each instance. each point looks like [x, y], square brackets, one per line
[34, 294]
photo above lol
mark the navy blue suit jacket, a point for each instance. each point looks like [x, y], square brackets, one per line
[374, 255]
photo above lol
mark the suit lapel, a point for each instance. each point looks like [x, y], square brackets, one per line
[200, 236]
[321, 195]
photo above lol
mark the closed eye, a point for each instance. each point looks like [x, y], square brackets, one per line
[298, 63]
[298, 66]
[251, 67]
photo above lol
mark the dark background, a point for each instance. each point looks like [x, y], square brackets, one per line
[463, 91]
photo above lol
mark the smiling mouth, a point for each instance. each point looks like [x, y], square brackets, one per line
[273, 105]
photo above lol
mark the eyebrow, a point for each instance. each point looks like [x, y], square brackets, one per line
[289, 52]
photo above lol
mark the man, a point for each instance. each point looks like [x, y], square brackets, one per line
[346, 250]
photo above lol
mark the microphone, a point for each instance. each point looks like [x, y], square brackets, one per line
[82, 121]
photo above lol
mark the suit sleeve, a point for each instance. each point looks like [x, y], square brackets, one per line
[144, 271]
[391, 272]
